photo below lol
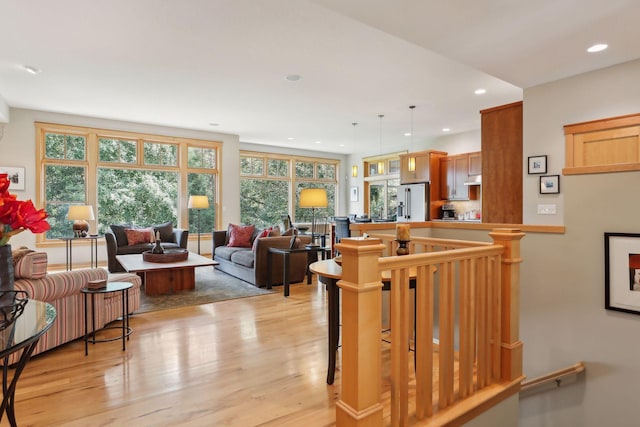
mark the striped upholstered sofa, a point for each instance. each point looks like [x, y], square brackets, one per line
[62, 290]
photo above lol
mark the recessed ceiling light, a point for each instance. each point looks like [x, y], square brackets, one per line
[341, 145]
[480, 91]
[317, 142]
[407, 134]
[597, 47]
[445, 129]
[293, 77]
[31, 70]
[214, 124]
[291, 138]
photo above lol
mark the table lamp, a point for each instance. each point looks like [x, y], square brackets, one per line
[313, 198]
[80, 215]
[198, 203]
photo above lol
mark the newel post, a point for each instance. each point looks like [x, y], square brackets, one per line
[360, 400]
[511, 346]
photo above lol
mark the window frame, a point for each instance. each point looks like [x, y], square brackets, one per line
[91, 163]
[291, 177]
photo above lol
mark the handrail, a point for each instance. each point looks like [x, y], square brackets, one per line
[555, 376]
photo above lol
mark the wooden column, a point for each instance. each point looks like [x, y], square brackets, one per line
[360, 400]
[511, 346]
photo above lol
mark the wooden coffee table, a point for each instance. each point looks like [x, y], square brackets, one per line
[165, 277]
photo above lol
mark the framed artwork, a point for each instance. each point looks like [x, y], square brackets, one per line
[550, 184]
[16, 176]
[537, 164]
[354, 194]
[622, 272]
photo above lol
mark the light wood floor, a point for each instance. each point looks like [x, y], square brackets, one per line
[258, 361]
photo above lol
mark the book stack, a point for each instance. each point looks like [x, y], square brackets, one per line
[96, 284]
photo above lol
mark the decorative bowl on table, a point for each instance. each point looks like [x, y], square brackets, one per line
[169, 255]
[302, 228]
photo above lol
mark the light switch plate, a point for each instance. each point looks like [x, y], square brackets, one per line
[546, 209]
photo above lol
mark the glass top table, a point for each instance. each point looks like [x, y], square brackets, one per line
[22, 335]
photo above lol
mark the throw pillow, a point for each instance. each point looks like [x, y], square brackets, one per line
[121, 236]
[166, 231]
[240, 235]
[136, 236]
[263, 233]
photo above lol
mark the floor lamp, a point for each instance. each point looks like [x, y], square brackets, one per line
[198, 203]
[313, 198]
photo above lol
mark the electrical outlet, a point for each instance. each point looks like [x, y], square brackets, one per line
[546, 209]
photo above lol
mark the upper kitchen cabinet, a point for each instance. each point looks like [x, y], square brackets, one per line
[460, 176]
[475, 163]
[422, 166]
[502, 164]
[454, 171]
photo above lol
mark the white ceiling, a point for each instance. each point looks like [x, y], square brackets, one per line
[195, 62]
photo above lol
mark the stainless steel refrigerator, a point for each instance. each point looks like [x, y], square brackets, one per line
[413, 202]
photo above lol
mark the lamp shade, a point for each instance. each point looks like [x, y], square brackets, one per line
[80, 212]
[313, 198]
[198, 202]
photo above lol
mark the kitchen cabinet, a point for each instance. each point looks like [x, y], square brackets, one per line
[454, 171]
[427, 169]
[502, 164]
[475, 163]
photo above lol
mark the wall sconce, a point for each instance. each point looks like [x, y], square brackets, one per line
[354, 171]
[412, 164]
[380, 168]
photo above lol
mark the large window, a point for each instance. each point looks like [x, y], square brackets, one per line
[127, 177]
[382, 179]
[270, 186]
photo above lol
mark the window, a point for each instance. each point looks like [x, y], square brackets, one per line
[381, 186]
[270, 186]
[128, 177]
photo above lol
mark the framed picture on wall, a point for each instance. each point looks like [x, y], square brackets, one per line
[549, 184]
[354, 194]
[16, 177]
[537, 164]
[622, 272]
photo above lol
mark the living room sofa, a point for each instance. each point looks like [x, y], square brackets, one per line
[62, 290]
[250, 263]
[119, 244]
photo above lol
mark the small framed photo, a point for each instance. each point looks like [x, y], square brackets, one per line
[549, 184]
[537, 164]
[16, 177]
[354, 194]
[622, 272]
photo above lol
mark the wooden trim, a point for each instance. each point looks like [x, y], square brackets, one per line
[603, 124]
[583, 170]
[367, 227]
[501, 107]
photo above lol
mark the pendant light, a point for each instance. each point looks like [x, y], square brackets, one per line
[412, 159]
[354, 168]
[380, 162]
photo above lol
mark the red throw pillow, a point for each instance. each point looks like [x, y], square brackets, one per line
[139, 235]
[240, 235]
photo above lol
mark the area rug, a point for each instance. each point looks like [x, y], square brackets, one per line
[211, 286]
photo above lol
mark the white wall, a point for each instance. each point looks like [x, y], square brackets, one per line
[18, 148]
[563, 316]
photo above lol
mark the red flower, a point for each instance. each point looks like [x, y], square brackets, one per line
[17, 216]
